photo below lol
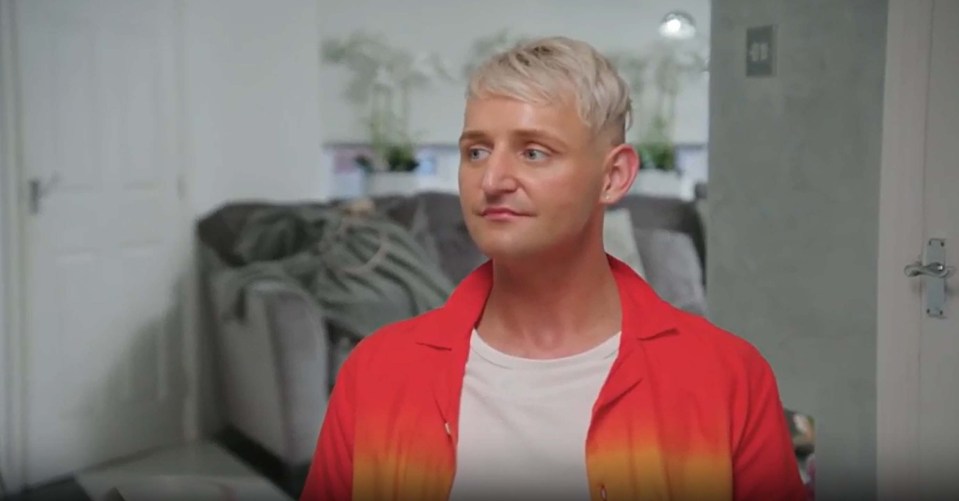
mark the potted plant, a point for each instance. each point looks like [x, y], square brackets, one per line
[384, 77]
[399, 175]
[656, 78]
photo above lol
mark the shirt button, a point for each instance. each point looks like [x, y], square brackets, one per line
[447, 426]
[602, 492]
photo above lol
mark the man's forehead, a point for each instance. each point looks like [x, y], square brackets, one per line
[557, 103]
[520, 117]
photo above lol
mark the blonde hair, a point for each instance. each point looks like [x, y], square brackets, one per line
[546, 70]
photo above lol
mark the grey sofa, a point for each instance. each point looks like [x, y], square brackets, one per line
[277, 364]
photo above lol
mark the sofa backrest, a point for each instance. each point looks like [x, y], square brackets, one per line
[663, 213]
[437, 223]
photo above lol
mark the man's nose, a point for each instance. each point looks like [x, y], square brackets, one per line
[500, 174]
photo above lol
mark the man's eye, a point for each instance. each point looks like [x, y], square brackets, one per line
[477, 153]
[534, 154]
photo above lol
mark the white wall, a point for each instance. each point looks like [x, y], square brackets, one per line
[252, 88]
[251, 130]
[450, 27]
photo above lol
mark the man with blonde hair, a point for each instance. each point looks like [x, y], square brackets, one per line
[553, 371]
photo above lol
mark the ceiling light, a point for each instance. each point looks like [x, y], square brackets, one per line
[677, 25]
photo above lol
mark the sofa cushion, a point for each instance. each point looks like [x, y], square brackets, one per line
[672, 268]
[458, 254]
[619, 239]
[411, 214]
[218, 230]
[667, 214]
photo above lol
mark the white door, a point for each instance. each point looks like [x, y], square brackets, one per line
[105, 239]
[918, 352]
[939, 350]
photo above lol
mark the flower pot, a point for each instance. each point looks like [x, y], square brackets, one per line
[380, 184]
[659, 183]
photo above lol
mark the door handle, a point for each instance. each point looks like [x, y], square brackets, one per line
[39, 189]
[936, 270]
[934, 273]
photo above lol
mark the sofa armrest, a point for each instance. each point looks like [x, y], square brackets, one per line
[302, 353]
[274, 367]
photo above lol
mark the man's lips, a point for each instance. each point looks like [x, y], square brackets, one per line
[500, 212]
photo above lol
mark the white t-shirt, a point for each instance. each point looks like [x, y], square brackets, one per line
[523, 423]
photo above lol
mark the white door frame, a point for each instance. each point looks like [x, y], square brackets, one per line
[11, 236]
[899, 320]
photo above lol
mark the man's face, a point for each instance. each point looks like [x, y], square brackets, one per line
[531, 177]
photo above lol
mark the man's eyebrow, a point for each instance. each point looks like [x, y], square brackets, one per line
[539, 134]
[472, 135]
[527, 134]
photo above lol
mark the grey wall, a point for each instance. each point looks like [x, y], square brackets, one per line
[3, 229]
[3, 305]
[794, 180]
[4, 382]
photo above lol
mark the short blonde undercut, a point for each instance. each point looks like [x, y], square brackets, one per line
[546, 70]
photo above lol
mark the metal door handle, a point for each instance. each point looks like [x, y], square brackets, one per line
[40, 189]
[936, 270]
[934, 274]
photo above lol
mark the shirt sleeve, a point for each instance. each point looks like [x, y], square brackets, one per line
[764, 463]
[330, 477]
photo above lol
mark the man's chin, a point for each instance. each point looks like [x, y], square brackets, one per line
[509, 251]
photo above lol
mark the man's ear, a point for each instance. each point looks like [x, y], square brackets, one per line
[622, 164]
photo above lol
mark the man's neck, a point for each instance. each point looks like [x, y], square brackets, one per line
[552, 307]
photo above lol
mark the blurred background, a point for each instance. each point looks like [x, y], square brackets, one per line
[183, 184]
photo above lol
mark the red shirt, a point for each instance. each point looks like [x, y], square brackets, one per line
[688, 411]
